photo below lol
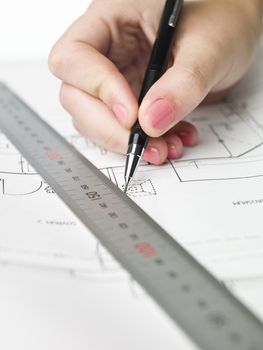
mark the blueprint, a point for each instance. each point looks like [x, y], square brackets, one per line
[210, 200]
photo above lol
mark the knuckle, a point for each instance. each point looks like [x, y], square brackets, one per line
[99, 84]
[54, 61]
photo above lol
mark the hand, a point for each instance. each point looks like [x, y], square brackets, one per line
[102, 57]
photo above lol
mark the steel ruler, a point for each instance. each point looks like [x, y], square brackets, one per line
[193, 298]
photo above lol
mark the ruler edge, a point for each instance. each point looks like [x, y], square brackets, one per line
[165, 235]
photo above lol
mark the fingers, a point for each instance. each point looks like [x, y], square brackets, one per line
[180, 90]
[78, 60]
[94, 120]
[174, 146]
[91, 116]
[183, 134]
[171, 144]
[187, 133]
[156, 151]
[203, 60]
[207, 58]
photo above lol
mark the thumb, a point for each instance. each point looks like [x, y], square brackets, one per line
[182, 88]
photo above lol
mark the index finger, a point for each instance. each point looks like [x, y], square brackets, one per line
[78, 59]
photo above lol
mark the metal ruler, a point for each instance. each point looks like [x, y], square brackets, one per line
[194, 299]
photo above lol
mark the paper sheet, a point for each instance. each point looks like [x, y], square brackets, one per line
[59, 279]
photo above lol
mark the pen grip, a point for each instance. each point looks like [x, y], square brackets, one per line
[151, 76]
[137, 135]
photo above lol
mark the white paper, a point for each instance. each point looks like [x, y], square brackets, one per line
[62, 289]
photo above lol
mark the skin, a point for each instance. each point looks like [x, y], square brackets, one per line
[102, 57]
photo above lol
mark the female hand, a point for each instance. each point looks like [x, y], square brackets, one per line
[102, 57]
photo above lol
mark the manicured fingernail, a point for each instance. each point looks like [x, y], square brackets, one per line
[121, 113]
[152, 155]
[172, 152]
[161, 114]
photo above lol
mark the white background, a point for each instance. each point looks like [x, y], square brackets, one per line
[29, 28]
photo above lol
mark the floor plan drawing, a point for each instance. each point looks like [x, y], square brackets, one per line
[235, 138]
[139, 188]
[230, 149]
[235, 134]
[210, 200]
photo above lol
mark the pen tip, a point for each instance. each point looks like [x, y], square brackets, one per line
[126, 186]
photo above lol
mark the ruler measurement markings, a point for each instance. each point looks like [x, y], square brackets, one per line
[137, 242]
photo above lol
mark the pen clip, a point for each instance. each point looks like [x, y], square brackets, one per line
[174, 16]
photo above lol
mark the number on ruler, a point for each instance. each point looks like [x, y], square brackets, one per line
[93, 195]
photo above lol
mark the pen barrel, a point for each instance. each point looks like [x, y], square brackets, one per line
[138, 136]
[165, 34]
[158, 61]
[162, 46]
[151, 76]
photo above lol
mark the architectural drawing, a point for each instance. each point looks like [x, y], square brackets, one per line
[210, 200]
[138, 188]
[235, 136]
[230, 147]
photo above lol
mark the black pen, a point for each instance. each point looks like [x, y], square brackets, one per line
[138, 139]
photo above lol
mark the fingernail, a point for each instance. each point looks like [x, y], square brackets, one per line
[152, 155]
[172, 152]
[161, 114]
[120, 112]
